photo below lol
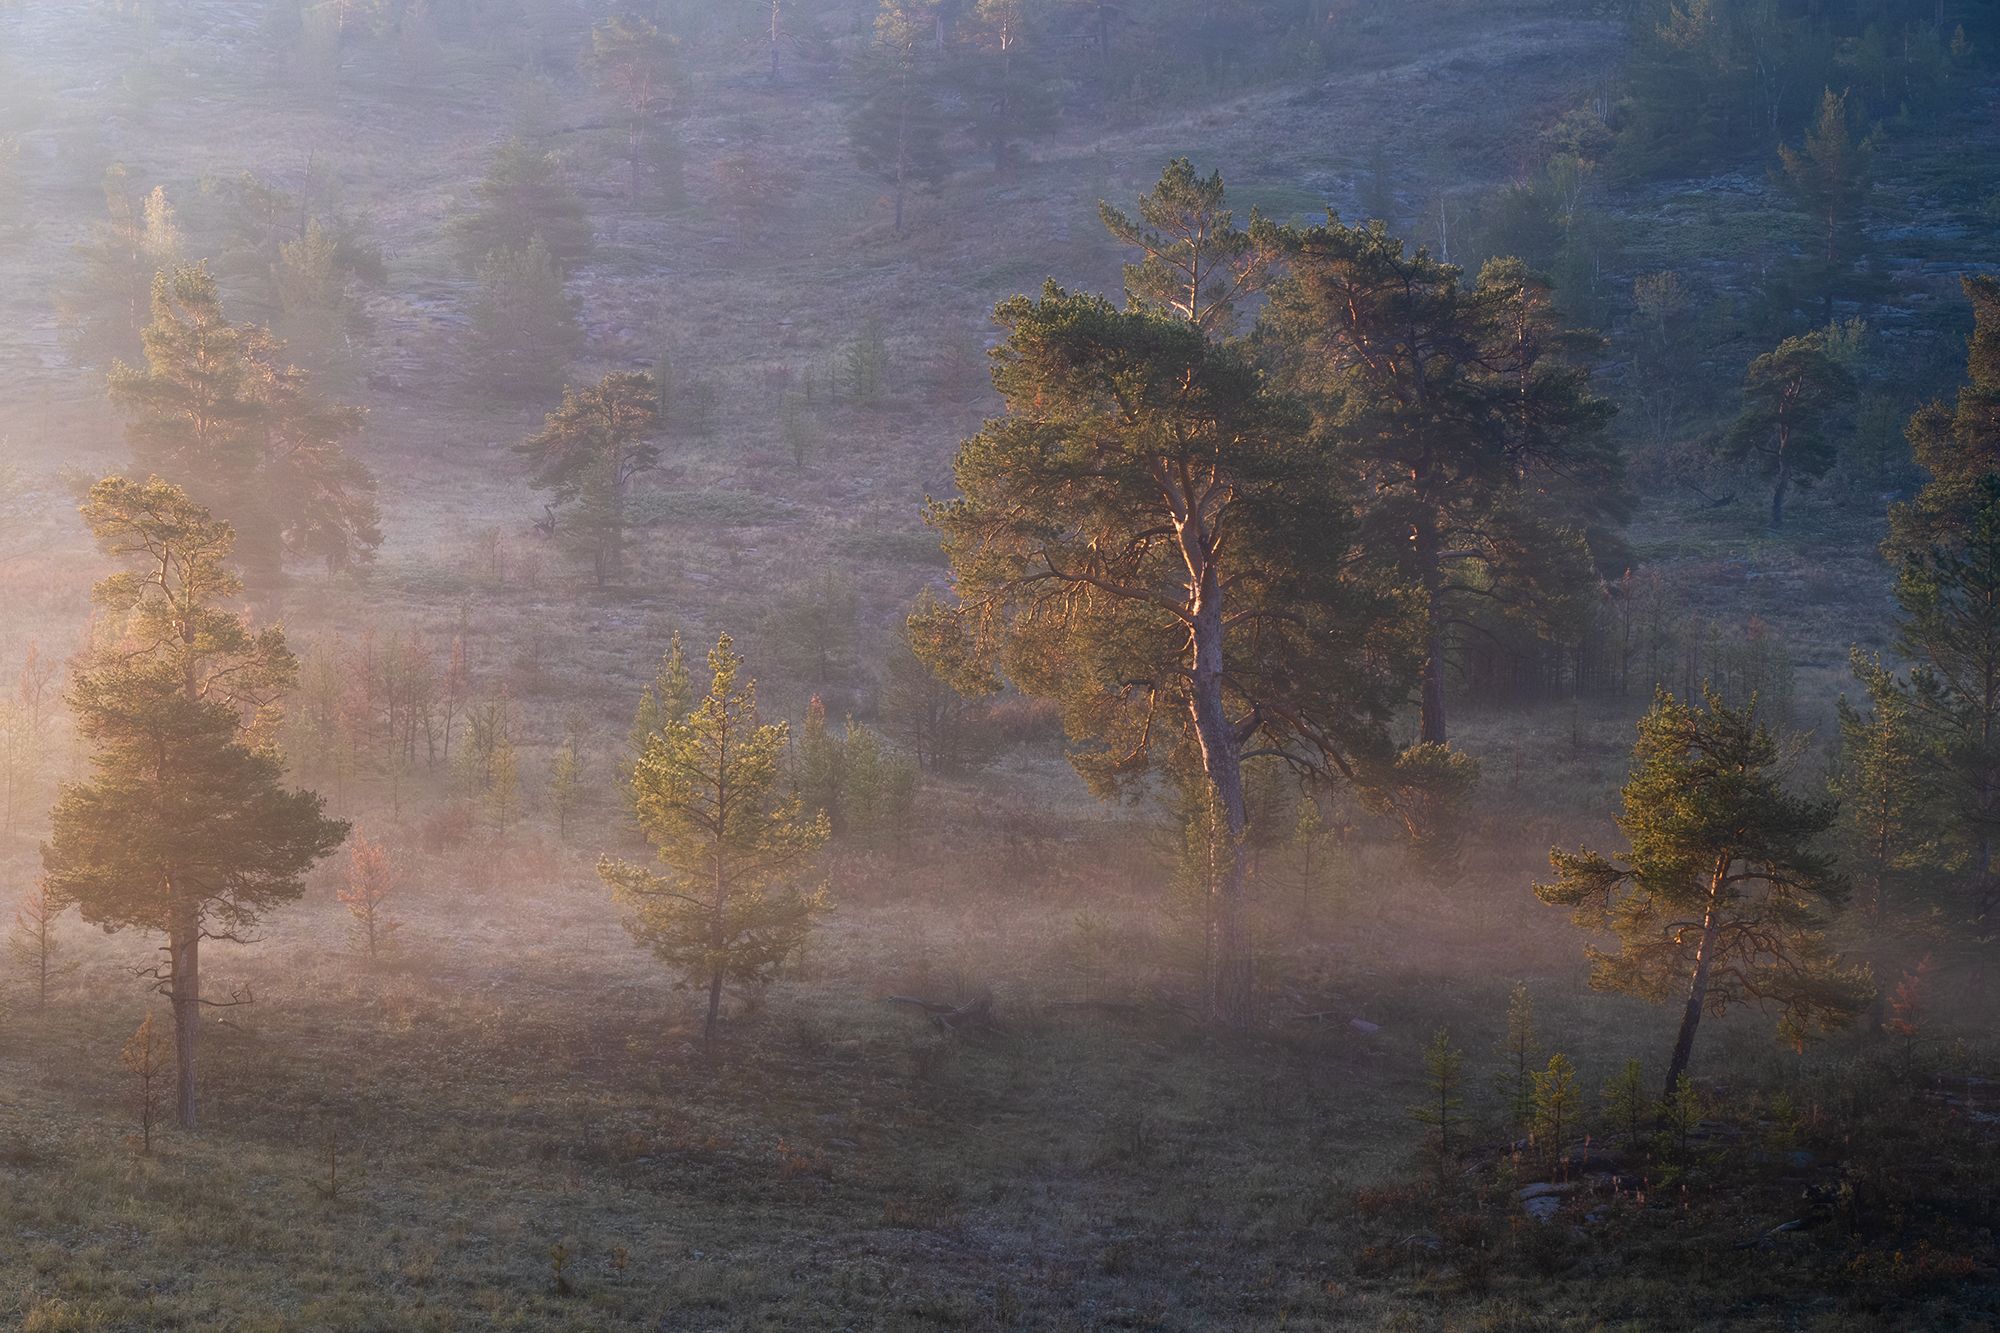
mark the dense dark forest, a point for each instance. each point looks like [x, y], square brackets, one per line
[1000, 663]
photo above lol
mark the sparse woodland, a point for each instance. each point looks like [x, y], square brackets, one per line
[999, 664]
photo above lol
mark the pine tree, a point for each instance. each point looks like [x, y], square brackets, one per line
[795, 429]
[371, 885]
[24, 739]
[566, 783]
[503, 779]
[639, 66]
[1789, 396]
[707, 795]
[218, 413]
[1314, 841]
[1442, 1112]
[1626, 1105]
[816, 768]
[1908, 1008]
[1467, 413]
[587, 454]
[1665, 353]
[931, 702]
[1558, 1105]
[1198, 265]
[876, 789]
[1887, 786]
[1829, 178]
[184, 828]
[1681, 1112]
[811, 631]
[896, 129]
[1519, 1049]
[34, 944]
[144, 1057]
[523, 329]
[1949, 597]
[1427, 790]
[670, 698]
[522, 197]
[104, 312]
[1725, 887]
[867, 363]
[1956, 444]
[317, 313]
[1145, 508]
[1003, 92]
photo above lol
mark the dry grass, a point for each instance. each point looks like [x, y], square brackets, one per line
[520, 1077]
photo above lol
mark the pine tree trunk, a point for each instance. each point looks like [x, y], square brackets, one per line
[1222, 763]
[1778, 488]
[1432, 730]
[1697, 989]
[717, 937]
[184, 972]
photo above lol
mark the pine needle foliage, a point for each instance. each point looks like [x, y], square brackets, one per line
[734, 847]
[184, 827]
[1724, 894]
[1442, 1112]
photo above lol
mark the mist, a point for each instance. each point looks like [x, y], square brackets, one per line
[999, 664]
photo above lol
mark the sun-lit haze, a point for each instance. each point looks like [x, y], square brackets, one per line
[1187, 664]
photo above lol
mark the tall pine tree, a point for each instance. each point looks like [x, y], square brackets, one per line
[1466, 410]
[184, 829]
[1155, 541]
[1197, 263]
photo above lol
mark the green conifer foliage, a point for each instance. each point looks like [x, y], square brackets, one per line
[1726, 887]
[184, 827]
[726, 905]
